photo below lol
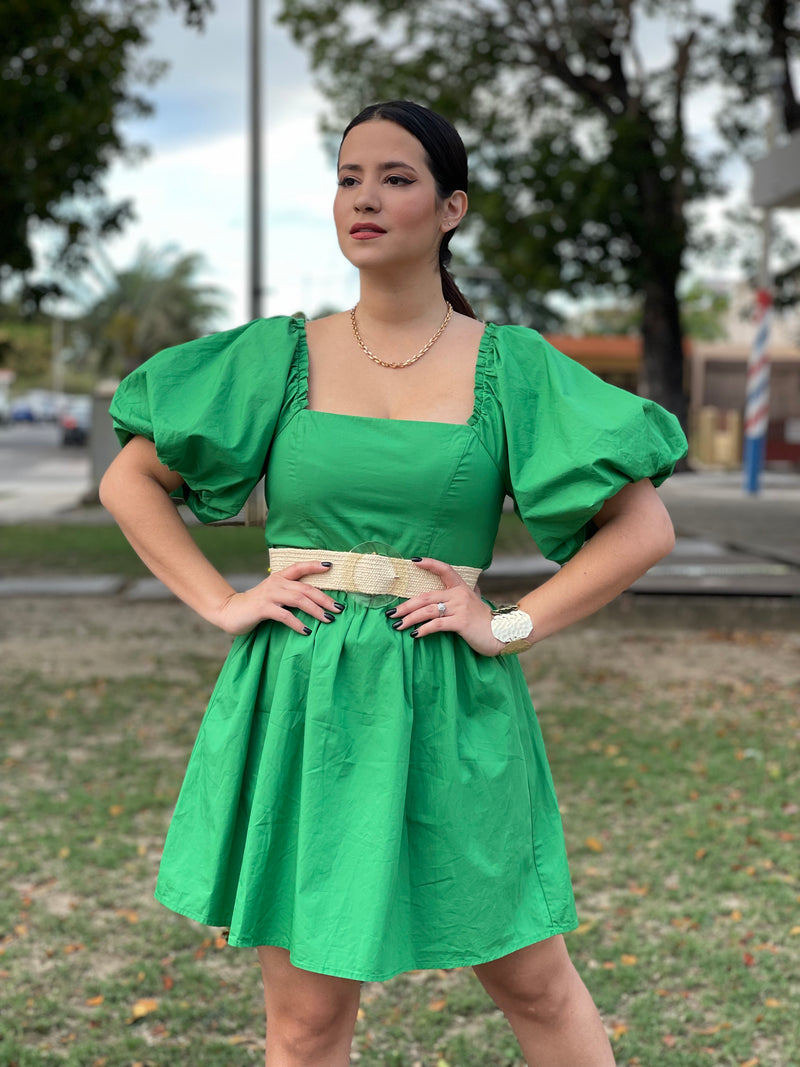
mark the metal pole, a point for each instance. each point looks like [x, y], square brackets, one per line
[256, 206]
[255, 510]
[756, 413]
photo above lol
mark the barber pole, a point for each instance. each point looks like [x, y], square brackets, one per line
[756, 410]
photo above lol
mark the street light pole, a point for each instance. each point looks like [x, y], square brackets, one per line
[255, 506]
[256, 205]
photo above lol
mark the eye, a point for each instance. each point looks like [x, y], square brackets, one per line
[347, 182]
[398, 179]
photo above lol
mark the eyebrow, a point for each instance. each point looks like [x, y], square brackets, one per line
[391, 165]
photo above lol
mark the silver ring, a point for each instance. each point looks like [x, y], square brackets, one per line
[442, 609]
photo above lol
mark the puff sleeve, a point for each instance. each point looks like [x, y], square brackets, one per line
[211, 406]
[572, 440]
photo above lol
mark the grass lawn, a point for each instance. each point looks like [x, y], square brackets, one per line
[69, 548]
[676, 761]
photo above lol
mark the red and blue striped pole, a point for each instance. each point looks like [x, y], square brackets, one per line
[756, 409]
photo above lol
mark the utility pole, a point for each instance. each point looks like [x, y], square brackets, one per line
[255, 506]
[256, 205]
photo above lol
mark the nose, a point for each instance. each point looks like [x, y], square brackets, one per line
[367, 198]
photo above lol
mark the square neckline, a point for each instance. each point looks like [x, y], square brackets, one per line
[477, 385]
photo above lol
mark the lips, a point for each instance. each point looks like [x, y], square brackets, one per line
[366, 229]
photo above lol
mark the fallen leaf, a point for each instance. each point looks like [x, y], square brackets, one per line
[78, 947]
[772, 1002]
[701, 854]
[115, 810]
[143, 1007]
[669, 1040]
[93, 1002]
[751, 1063]
[795, 930]
[736, 916]
[628, 960]
[619, 1030]
[593, 844]
[129, 914]
[438, 1005]
[749, 960]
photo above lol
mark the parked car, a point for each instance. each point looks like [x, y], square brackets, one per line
[37, 405]
[75, 420]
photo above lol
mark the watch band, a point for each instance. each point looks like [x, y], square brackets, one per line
[512, 626]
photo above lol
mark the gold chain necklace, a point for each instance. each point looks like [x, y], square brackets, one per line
[413, 359]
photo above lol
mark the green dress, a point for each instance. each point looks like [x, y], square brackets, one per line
[373, 802]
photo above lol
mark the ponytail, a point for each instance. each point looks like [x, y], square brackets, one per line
[453, 294]
[450, 290]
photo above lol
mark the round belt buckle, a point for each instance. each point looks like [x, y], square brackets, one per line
[372, 567]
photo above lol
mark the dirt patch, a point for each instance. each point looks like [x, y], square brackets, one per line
[109, 637]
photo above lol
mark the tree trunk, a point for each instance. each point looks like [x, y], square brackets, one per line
[661, 375]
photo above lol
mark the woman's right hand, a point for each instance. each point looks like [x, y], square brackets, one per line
[278, 597]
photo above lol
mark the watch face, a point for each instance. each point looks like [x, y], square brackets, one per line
[511, 624]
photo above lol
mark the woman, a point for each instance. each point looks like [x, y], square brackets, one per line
[369, 793]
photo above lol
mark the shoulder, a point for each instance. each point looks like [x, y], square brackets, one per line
[328, 329]
[522, 356]
[273, 336]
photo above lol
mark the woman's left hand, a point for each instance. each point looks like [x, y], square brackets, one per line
[464, 611]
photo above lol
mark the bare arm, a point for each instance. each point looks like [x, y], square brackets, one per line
[634, 532]
[135, 489]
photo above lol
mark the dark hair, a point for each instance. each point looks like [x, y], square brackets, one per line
[447, 159]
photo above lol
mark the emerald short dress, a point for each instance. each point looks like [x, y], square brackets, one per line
[372, 802]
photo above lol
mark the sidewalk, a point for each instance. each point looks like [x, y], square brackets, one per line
[729, 545]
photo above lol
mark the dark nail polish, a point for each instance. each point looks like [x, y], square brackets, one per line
[324, 564]
[328, 616]
[397, 625]
[415, 633]
[416, 559]
[341, 607]
[390, 612]
[306, 630]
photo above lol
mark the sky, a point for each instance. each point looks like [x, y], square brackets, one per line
[192, 190]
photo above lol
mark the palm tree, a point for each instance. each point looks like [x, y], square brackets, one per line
[154, 303]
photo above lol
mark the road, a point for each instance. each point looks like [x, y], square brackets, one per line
[38, 475]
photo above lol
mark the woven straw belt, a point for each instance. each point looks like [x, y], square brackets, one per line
[367, 572]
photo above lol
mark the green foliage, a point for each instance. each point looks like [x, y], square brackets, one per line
[25, 344]
[586, 177]
[756, 53]
[69, 73]
[155, 303]
[582, 167]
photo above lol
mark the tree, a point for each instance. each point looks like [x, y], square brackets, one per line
[69, 70]
[586, 177]
[155, 303]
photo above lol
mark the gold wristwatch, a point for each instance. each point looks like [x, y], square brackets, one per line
[512, 626]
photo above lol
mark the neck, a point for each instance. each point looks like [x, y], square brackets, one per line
[405, 301]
